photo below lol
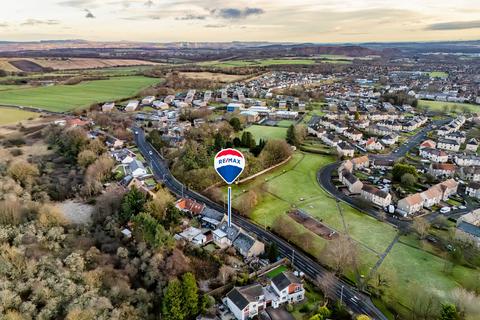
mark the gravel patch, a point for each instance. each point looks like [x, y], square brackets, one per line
[76, 212]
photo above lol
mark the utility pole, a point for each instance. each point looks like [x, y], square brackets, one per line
[341, 295]
[293, 258]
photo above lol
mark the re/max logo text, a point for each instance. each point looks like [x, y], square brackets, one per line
[229, 161]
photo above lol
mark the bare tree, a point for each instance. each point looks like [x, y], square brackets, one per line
[341, 253]
[421, 226]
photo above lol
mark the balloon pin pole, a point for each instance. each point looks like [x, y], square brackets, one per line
[229, 206]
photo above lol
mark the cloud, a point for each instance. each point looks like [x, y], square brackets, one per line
[216, 26]
[89, 14]
[234, 13]
[3, 24]
[36, 22]
[77, 3]
[454, 25]
[149, 3]
[191, 17]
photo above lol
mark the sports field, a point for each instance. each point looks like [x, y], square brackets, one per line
[68, 97]
[294, 185]
[452, 106]
[12, 116]
[267, 133]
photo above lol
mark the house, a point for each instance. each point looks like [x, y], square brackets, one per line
[471, 173]
[447, 144]
[136, 169]
[458, 136]
[411, 204]
[339, 126]
[442, 169]
[390, 139]
[250, 116]
[373, 144]
[383, 164]
[123, 156]
[246, 302]
[229, 233]
[132, 105]
[190, 233]
[375, 195]
[159, 104]
[212, 218]
[248, 246]
[472, 145]
[147, 101]
[468, 228]
[345, 149]
[347, 166]
[434, 155]
[467, 160]
[108, 107]
[449, 188]
[353, 134]
[113, 142]
[190, 206]
[428, 144]
[431, 196]
[473, 189]
[76, 122]
[360, 162]
[353, 184]
[331, 140]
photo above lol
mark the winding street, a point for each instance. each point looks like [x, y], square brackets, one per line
[324, 176]
[358, 302]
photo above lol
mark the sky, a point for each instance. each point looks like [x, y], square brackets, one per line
[319, 21]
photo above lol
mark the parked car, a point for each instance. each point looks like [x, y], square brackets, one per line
[445, 210]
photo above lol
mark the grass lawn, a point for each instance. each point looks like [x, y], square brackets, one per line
[11, 116]
[438, 74]
[439, 105]
[275, 272]
[285, 123]
[68, 97]
[256, 62]
[267, 133]
[294, 185]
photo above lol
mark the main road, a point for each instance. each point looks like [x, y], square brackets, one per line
[358, 302]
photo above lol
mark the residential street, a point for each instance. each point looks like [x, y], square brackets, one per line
[356, 301]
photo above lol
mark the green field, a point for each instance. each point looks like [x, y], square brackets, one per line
[266, 133]
[438, 74]
[294, 185]
[452, 106]
[285, 123]
[256, 62]
[68, 97]
[11, 116]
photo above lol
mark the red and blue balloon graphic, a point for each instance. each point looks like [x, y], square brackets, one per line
[229, 164]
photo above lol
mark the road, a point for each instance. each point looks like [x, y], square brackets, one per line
[358, 302]
[31, 109]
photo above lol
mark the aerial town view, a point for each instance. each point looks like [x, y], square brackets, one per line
[233, 160]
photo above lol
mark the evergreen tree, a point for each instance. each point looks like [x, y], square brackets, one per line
[172, 307]
[132, 204]
[237, 142]
[291, 135]
[190, 295]
[247, 140]
[236, 124]
[449, 312]
[219, 143]
[258, 148]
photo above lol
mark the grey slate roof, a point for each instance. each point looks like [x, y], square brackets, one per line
[243, 243]
[284, 279]
[231, 232]
[244, 295]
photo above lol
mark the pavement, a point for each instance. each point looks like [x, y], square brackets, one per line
[358, 302]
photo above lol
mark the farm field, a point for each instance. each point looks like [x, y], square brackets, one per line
[11, 116]
[64, 97]
[294, 185]
[220, 77]
[266, 133]
[439, 106]
[257, 63]
[72, 63]
[438, 74]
